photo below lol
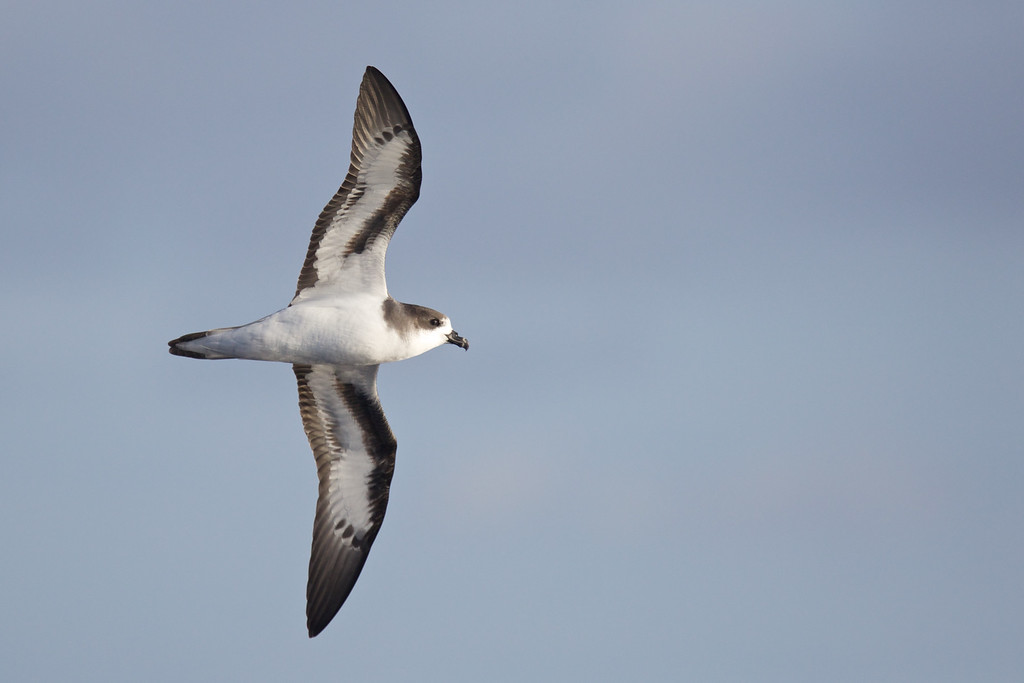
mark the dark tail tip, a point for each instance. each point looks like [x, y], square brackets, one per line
[175, 350]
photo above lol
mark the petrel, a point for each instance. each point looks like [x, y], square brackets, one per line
[339, 327]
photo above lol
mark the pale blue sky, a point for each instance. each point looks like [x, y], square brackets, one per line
[744, 288]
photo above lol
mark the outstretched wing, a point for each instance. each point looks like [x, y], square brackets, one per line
[347, 248]
[355, 458]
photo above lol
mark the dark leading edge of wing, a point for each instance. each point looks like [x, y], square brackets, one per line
[383, 181]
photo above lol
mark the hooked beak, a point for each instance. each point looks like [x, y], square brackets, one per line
[454, 338]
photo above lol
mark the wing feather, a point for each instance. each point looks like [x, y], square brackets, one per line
[355, 459]
[350, 239]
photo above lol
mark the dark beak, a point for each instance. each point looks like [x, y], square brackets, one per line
[454, 338]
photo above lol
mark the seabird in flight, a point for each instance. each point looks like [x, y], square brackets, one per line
[339, 327]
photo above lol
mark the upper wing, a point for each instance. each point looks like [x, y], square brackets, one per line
[355, 458]
[346, 250]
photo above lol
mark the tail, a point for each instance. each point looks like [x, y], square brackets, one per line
[185, 346]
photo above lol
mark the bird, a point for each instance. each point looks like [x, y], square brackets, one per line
[336, 331]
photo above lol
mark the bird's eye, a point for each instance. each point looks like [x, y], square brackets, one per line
[435, 322]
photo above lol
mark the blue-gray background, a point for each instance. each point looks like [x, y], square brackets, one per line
[744, 288]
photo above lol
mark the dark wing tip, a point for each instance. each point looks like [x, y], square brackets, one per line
[330, 586]
[374, 75]
[318, 617]
[376, 88]
[315, 628]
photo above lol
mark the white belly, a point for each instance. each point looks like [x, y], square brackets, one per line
[335, 334]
